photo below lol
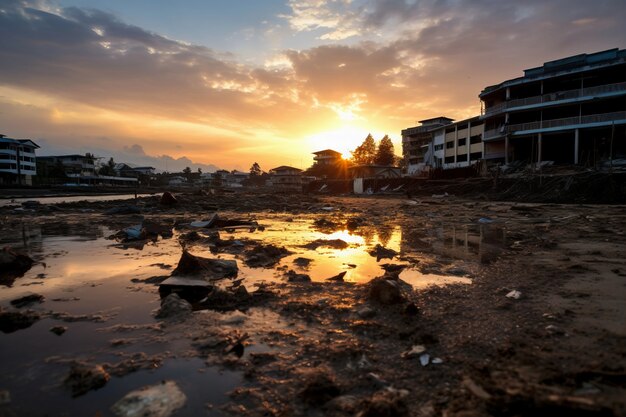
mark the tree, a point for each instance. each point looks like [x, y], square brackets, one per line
[385, 153]
[365, 153]
[187, 172]
[108, 169]
[255, 170]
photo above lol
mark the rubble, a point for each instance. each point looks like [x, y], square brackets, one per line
[27, 300]
[12, 321]
[385, 291]
[173, 307]
[13, 265]
[380, 252]
[326, 243]
[168, 199]
[84, 377]
[160, 400]
[264, 256]
[319, 387]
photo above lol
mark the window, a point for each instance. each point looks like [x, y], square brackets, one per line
[461, 158]
[462, 142]
[449, 160]
[439, 147]
[475, 139]
[475, 156]
[449, 145]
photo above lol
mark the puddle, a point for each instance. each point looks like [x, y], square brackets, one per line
[69, 199]
[79, 271]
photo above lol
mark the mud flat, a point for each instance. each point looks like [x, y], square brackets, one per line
[311, 306]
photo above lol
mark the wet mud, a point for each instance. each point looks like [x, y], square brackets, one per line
[315, 306]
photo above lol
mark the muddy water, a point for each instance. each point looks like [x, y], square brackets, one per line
[81, 272]
[69, 199]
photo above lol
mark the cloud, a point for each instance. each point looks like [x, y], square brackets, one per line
[336, 18]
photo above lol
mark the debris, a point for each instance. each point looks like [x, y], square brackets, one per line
[485, 220]
[424, 359]
[167, 199]
[58, 330]
[302, 262]
[205, 223]
[13, 265]
[475, 389]
[319, 386]
[123, 209]
[437, 361]
[11, 321]
[366, 312]
[388, 402]
[338, 277]
[347, 404]
[237, 346]
[327, 243]
[207, 269]
[134, 232]
[27, 300]
[514, 294]
[385, 291]
[173, 307]
[83, 378]
[440, 195]
[293, 276]
[414, 351]
[381, 252]
[159, 400]
[265, 256]
[411, 310]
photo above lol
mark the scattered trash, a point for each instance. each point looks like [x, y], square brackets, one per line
[134, 232]
[440, 195]
[237, 346]
[327, 208]
[206, 268]
[159, 400]
[173, 307]
[424, 359]
[485, 220]
[205, 223]
[475, 389]
[265, 256]
[514, 294]
[414, 351]
[437, 361]
[293, 276]
[84, 377]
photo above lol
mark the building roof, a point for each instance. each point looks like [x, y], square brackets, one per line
[285, 168]
[327, 151]
[22, 141]
[571, 64]
[435, 120]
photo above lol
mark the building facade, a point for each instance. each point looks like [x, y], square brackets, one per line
[416, 142]
[286, 178]
[18, 161]
[456, 145]
[569, 111]
[327, 157]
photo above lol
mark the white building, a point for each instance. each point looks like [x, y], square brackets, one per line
[18, 162]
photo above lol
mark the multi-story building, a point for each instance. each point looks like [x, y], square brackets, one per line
[570, 111]
[18, 162]
[75, 166]
[417, 140]
[456, 145]
[327, 157]
[286, 178]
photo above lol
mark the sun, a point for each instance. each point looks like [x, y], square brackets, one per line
[342, 140]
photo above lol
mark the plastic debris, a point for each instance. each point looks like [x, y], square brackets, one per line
[485, 220]
[414, 351]
[155, 401]
[424, 359]
[437, 361]
[514, 295]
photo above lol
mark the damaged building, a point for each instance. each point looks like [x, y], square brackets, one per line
[570, 111]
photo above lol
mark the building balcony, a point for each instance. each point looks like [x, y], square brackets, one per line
[578, 121]
[557, 97]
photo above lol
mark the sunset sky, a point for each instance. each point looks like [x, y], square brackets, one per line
[225, 83]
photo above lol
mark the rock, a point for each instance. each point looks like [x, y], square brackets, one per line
[27, 300]
[302, 262]
[13, 265]
[319, 387]
[293, 276]
[411, 310]
[159, 400]
[381, 252]
[338, 277]
[167, 199]
[514, 294]
[265, 256]
[386, 403]
[366, 312]
[173, 307]
[207, 269]
[58, 330]
[11, 321]
[123, 209]
[385, 291]
[84, 377]
[332, 243]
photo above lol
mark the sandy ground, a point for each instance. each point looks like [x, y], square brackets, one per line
[332, 348]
